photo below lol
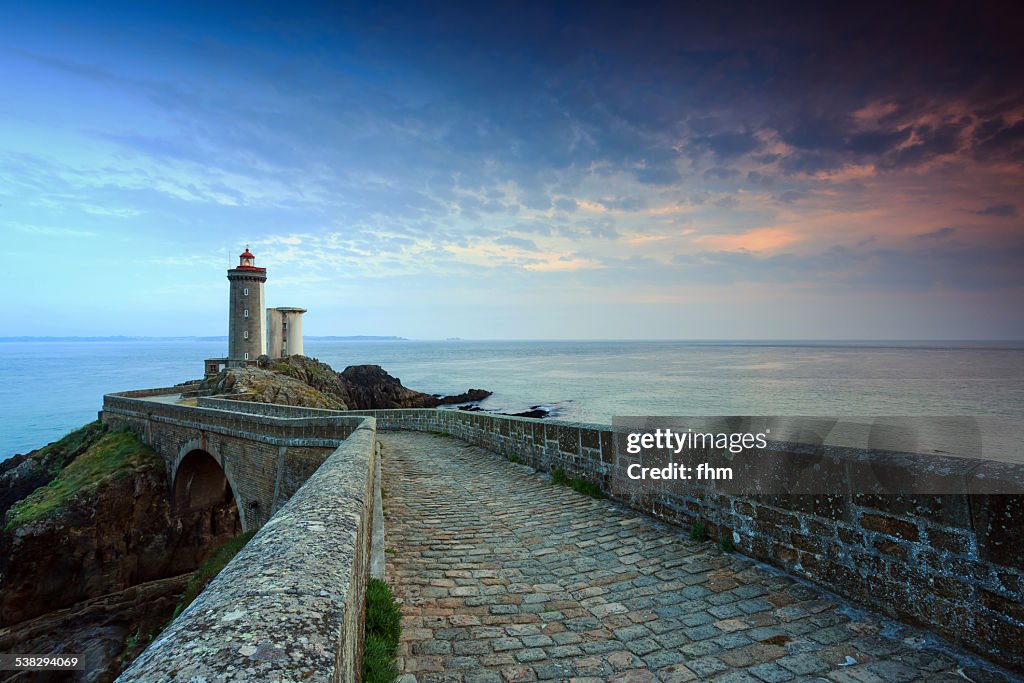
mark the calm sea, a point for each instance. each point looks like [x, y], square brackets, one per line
[49, 388]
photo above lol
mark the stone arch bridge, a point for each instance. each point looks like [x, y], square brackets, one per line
[259, 460]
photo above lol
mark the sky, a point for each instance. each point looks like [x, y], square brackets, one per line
[527, 170]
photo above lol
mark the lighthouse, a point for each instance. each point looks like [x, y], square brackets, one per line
[246, 338]
[247, 325]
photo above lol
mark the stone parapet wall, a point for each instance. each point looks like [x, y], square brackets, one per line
[142, 393]
[304, 574]
[952, 563]
[323, 430]
[266, 409]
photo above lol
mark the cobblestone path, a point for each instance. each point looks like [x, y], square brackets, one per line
[504, 577]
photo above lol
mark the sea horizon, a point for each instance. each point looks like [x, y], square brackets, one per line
[589, 381]
[690, 340]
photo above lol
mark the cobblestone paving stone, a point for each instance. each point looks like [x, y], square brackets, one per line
[507, 578]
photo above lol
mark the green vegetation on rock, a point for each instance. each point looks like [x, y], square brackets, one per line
[699, 532]
[587, 488]
[57, 454]
[383, 630]
[20, 475]
[112, 455]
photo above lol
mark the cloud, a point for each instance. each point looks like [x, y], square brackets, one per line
[940, 234]
[760, 239]
[368, 145]
[720, 173]
[518, 242]
[561, 262]
[790, 196]
[51, 231]
[999, 211]
[726, 144]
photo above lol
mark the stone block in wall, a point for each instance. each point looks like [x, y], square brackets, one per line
[590, 438]
[897, 528]
[1011, 581]
[948, 540]
[767, 516]
[948, 510]
[999, 528]
[537, 429]
[568, 439]
[999, 638]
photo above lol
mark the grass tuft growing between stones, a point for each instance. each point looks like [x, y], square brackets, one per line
[113, 455]
[587, 488]
[383, 629]
[559, 477]
[699, 532]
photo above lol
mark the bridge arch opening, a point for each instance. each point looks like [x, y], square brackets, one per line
[200, 485]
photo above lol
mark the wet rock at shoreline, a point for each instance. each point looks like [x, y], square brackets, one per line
[470, 396]
[534, 411]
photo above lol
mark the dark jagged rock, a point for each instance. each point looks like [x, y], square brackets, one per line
[535, 411]
[470, 396]
[100, 631]
[371, 388]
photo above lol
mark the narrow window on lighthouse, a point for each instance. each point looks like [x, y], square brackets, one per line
[246, 355]
[246, 314]
[246, 334]
[245, 292]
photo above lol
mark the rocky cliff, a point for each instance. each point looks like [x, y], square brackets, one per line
[20, 475]
[304, 381]
[266, 386]
[76, 551]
